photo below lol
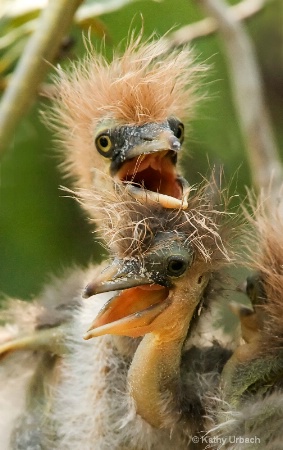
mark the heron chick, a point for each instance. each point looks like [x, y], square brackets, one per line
[165, 266]
[125, 119]
[165, 276]
[252, 379]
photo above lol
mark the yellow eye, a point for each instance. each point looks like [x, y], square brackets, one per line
[104, 145]
[180, 131]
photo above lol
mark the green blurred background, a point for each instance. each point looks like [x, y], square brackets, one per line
[41, 230]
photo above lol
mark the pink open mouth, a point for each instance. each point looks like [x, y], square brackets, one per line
[156, 174]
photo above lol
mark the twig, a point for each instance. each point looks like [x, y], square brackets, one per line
[243, 10]
[32, 67]
[265, 164]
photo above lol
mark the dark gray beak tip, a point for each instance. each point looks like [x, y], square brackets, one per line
[88, 291]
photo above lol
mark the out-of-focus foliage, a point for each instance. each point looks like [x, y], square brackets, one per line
[18, 20]
[42, 231]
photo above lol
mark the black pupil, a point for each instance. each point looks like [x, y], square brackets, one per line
[179, 132]
[176, 266]
[104, 142]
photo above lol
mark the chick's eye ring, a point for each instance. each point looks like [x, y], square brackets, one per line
[176, 266]
[104, 145]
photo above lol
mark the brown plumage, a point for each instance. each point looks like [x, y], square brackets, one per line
[252, 379]
[123, 118]
[264, 288]
[267, 260]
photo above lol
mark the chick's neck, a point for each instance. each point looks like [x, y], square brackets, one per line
[154, 375]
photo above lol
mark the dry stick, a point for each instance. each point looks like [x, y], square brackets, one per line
[266, 167]
[243, 10]
[43, 46]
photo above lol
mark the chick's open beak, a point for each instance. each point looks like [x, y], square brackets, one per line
[133, 309]
[149, 170]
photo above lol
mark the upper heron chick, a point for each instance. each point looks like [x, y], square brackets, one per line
[125, 118]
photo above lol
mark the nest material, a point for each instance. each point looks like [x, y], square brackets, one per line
[130, 227]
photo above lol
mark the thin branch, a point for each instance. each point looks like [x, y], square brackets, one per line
[33, 65]
[241, 11]
[265, 164]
